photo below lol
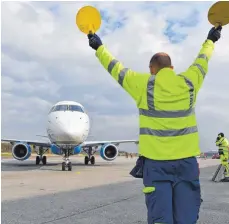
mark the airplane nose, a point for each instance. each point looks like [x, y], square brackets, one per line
[71, 129]
[72, 133]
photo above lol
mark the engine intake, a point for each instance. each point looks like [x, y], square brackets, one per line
[109, 152]
[21, 151]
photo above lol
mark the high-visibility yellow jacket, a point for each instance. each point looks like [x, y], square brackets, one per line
[223, 144]
[166, 102]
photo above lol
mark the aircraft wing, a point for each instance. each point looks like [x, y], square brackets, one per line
[85, 144]
[116, 142]
[37, 143]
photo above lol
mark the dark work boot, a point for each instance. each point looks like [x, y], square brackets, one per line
[225, 179]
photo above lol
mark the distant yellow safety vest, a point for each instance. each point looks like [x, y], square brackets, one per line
[166, 102]
[223, 146]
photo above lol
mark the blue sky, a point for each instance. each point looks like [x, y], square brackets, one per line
[45, 59]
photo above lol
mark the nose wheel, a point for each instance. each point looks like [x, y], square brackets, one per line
[66, 164]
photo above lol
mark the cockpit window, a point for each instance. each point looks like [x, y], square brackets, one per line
[75, 108]
[60, 108]
[67, 108]
[51, 110]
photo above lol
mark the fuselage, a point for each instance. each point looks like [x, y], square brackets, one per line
[68, 123]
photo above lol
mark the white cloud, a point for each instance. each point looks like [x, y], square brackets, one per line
[45, 58]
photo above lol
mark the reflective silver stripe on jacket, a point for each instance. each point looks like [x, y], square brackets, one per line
[199, 66]
[122, 73]
[152, 112]
[201, 69]
[168, 133]
[203, 56]
[166, 114]
[111, 65]
[150, 92]
[191, 90]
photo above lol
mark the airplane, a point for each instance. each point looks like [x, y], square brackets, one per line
[67, 130]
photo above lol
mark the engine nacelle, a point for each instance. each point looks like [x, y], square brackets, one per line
[77, 150]
[56, 150]
[21, 151]
[109, 152]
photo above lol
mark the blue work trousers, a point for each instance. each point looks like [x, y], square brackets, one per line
[175, 195]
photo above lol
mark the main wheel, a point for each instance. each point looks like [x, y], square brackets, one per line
[63, 166]
[69, 166]
[86, 160]
[44, 160]
[38, 160]
[92, 160]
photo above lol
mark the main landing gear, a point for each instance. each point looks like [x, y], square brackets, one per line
[66, 164]
[40, 156]
[89, 157]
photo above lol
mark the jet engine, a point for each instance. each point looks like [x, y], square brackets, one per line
[109, 152]
[21, 151]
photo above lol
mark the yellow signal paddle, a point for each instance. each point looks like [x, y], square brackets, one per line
[218, 14]
[88, 19]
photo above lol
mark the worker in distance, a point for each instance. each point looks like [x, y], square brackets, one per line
[223, 145]
[169, 140]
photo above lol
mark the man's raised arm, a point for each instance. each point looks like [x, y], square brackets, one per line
[131, 81]
[198, 70]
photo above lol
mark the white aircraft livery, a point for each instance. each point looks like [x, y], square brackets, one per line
[67, 128]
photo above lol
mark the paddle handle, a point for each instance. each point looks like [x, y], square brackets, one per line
[91, 29]
[217, 25]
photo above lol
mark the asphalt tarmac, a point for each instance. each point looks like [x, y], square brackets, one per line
[54, 164]
[101, 194]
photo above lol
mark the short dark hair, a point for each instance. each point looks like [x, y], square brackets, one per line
[161, 60]
[221, 134]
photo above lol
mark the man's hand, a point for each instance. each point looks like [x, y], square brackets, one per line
[94, 41]
[214, 34]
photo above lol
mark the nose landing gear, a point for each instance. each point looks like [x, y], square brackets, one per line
[66, 163]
